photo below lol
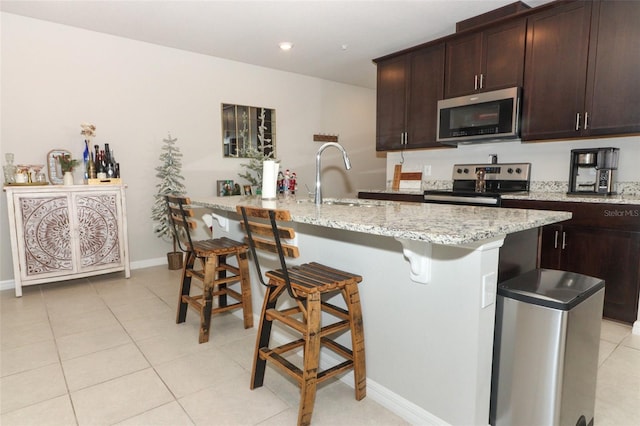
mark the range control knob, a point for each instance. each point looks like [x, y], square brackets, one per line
[459, 171]
[466, 170]
[509, 170]
[518, 170]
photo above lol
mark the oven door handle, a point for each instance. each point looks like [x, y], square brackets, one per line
[455, 199]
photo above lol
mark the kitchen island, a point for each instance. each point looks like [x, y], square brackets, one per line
[610, 223]
[428, 294]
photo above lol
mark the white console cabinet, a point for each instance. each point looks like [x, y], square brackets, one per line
[66, 232]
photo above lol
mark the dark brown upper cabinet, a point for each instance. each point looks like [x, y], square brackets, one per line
[576, 61]
[581, 72]
[613, 72]
[488, 60]
[408, 89]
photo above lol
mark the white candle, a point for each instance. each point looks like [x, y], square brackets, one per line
[269, 177]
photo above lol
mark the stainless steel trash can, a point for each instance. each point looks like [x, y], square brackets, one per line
[545, 358]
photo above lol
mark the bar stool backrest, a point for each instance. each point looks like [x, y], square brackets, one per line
[263, 233]
[181, 219]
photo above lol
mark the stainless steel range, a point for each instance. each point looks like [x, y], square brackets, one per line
[483, 184]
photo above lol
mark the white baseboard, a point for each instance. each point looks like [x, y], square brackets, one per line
[400, 406]
[7, 285]
[383, 396]
[140, 264]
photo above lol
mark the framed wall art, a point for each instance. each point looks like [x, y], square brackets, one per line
[55, 171]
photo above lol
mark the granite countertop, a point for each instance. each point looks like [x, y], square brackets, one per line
[538, 194]
[628, 192]
[562, 196]
[433, 223]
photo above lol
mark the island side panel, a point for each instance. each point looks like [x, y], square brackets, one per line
[428, 345]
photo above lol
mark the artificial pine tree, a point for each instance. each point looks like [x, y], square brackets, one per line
[253, 173]
[170, 184]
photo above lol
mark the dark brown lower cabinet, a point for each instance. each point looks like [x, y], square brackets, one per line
[387, 196]
[601, 240]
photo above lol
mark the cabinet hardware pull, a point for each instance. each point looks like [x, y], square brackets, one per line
[586, 120]
[406, 138]
[403, 138]
[481, 80]
[564, 240]
[577, 121]
[475, 82]
[555, 241]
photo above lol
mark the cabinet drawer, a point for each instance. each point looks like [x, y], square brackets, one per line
[598, 215]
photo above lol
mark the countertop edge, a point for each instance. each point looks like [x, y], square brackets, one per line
[476, 224]
[534, 196]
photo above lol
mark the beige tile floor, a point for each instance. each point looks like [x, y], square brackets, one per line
[106, 351]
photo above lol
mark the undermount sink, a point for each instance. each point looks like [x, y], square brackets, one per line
[343, 203]
[350, 203]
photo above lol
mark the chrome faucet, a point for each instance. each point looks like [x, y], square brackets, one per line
[347, 165]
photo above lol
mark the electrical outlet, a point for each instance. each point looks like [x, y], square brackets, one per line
[426, 170]
[488, 290]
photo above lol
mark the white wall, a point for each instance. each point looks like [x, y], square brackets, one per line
[54, 77]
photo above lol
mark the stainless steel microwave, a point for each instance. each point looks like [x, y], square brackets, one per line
[481, 117]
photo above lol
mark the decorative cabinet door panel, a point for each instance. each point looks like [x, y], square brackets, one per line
[98, 228]
[46, 246]
[64, 232]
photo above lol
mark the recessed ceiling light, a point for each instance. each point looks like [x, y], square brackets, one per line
[286, 45]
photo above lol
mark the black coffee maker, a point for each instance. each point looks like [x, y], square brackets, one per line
[592, 171]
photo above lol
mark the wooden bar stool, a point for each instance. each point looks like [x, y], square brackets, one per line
[305, 285]
[215, 273]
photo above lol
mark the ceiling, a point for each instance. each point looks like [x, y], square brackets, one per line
[333, 39]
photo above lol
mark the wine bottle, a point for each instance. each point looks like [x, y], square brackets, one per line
[116, 166]
[112, 160]
[101, 170]
[92, 168]
[85, 158]
[111, 173]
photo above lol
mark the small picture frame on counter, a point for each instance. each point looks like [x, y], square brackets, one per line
[225, 188]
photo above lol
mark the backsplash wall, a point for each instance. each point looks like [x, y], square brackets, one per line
[549, 160]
